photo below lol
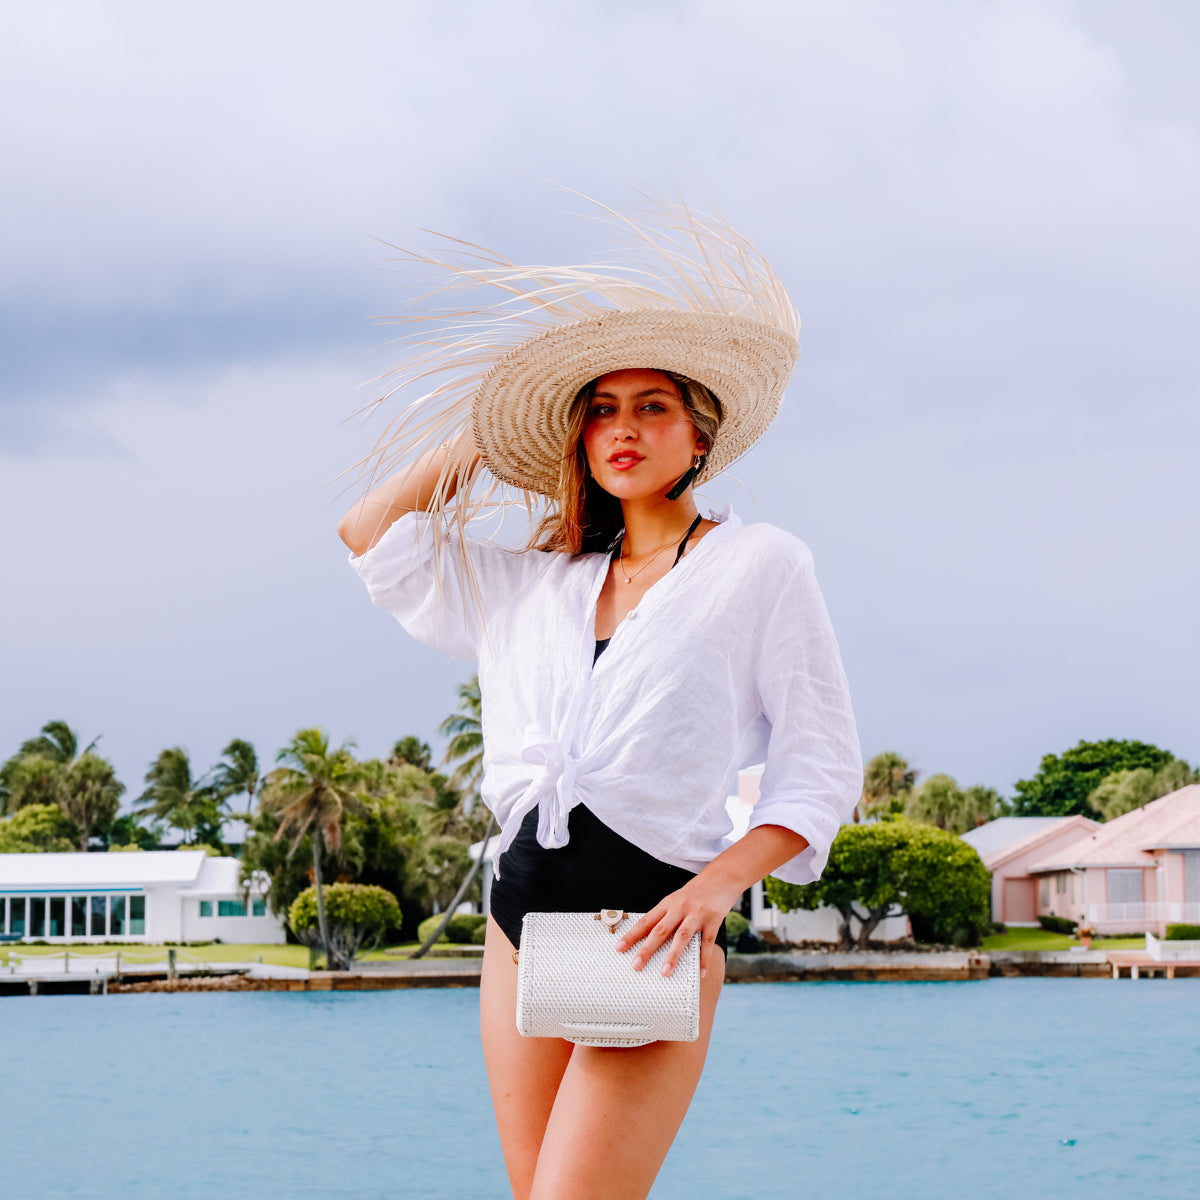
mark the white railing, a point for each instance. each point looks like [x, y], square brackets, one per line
[1141, 917]
[1164, 951]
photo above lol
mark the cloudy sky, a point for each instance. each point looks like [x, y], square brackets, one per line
[985, 213]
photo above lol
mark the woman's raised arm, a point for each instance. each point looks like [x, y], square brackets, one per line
[410, 490]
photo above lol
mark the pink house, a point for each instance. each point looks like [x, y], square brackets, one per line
[1008, 845]
[1137, 873]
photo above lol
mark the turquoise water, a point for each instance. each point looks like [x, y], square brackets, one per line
[1006, 1088]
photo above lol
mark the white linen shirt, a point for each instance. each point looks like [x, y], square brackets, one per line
[728, 660]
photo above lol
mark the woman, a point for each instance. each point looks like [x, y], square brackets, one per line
[608, 764]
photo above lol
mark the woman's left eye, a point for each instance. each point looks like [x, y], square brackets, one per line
[654, 406]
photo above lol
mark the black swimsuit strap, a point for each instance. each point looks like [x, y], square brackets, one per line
[614, 549]
[683, 544]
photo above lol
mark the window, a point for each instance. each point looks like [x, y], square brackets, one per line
[1191, 876]
[1044, 892]
[116, 915]
[1124, 886]
[137, 914]
[260, 908]
[206, 908]
[230, 908]
[16, 914]
[99, 904]
[37, 917]
[78, 916]
[3, 914]
[1060, 883]
[58, 919]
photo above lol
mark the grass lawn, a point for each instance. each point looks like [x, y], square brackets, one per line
[1042, 939]
[283, 956]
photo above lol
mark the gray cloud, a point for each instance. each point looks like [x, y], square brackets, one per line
[986, 214]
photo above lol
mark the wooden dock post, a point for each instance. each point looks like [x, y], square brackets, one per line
[171, 963]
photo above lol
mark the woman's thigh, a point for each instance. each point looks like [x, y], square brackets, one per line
[616, 1114]
[523, 1073]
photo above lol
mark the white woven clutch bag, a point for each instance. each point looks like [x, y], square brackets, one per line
[572, 984]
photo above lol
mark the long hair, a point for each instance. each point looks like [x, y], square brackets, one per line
[582, 516]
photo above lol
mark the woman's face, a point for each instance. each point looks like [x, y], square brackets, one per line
[638, 435]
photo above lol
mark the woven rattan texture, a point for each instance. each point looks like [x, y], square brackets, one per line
[521, 409]
[572, 984]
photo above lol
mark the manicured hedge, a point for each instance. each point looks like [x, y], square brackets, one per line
[1057, 925]
[1183, 933]
[461, 930]
[735, 926]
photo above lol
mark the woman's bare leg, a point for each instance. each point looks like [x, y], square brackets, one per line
[523, 1073]
[617, 1113]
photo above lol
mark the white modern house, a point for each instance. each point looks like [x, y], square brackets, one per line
[132, 896]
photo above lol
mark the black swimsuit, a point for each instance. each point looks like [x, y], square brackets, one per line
[596, 869]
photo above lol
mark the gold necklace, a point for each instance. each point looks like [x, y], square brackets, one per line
[631, 578]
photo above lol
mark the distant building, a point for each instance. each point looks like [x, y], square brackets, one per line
[132, 896]
[1137, 873]
[1008, 845]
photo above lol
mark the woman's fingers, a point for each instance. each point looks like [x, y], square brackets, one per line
[639, 930]
[679, 944]
[672, 921]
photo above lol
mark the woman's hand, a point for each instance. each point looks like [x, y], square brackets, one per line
[703, 902]
[698, 906]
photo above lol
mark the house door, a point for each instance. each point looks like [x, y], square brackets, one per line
[1019, 897]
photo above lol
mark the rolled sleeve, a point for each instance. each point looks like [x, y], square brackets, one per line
[442, 595]
[813, 773]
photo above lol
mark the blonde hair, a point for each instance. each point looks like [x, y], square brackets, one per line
[582, 516]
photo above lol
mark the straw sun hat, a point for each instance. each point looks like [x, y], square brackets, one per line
[686, 294]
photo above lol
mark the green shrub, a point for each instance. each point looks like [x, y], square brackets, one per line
[358, 916]
[427, 926]
[461, 930]
[463, 926]
[1057, 925]
[1183, 933]
[735, 926]
[480, 935]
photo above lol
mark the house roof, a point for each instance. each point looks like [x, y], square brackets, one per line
[1170, 823]
[220, 877]
[1004, 831]
[1054, 832]
[124, 868]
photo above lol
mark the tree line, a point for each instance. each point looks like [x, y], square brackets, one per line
[397, 824]
[902, 853]
[319, 812]
[1101, 780]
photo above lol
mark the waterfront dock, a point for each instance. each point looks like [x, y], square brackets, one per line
[103, 977]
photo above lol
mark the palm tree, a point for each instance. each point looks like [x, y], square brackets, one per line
[57, 748]
[887, 783]
[465, 730]
[174, 796]
[412, 750]
[452, 907]
[51, 769]
[57, 742]
[237, 774]
[91, 795]
[310, 794]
